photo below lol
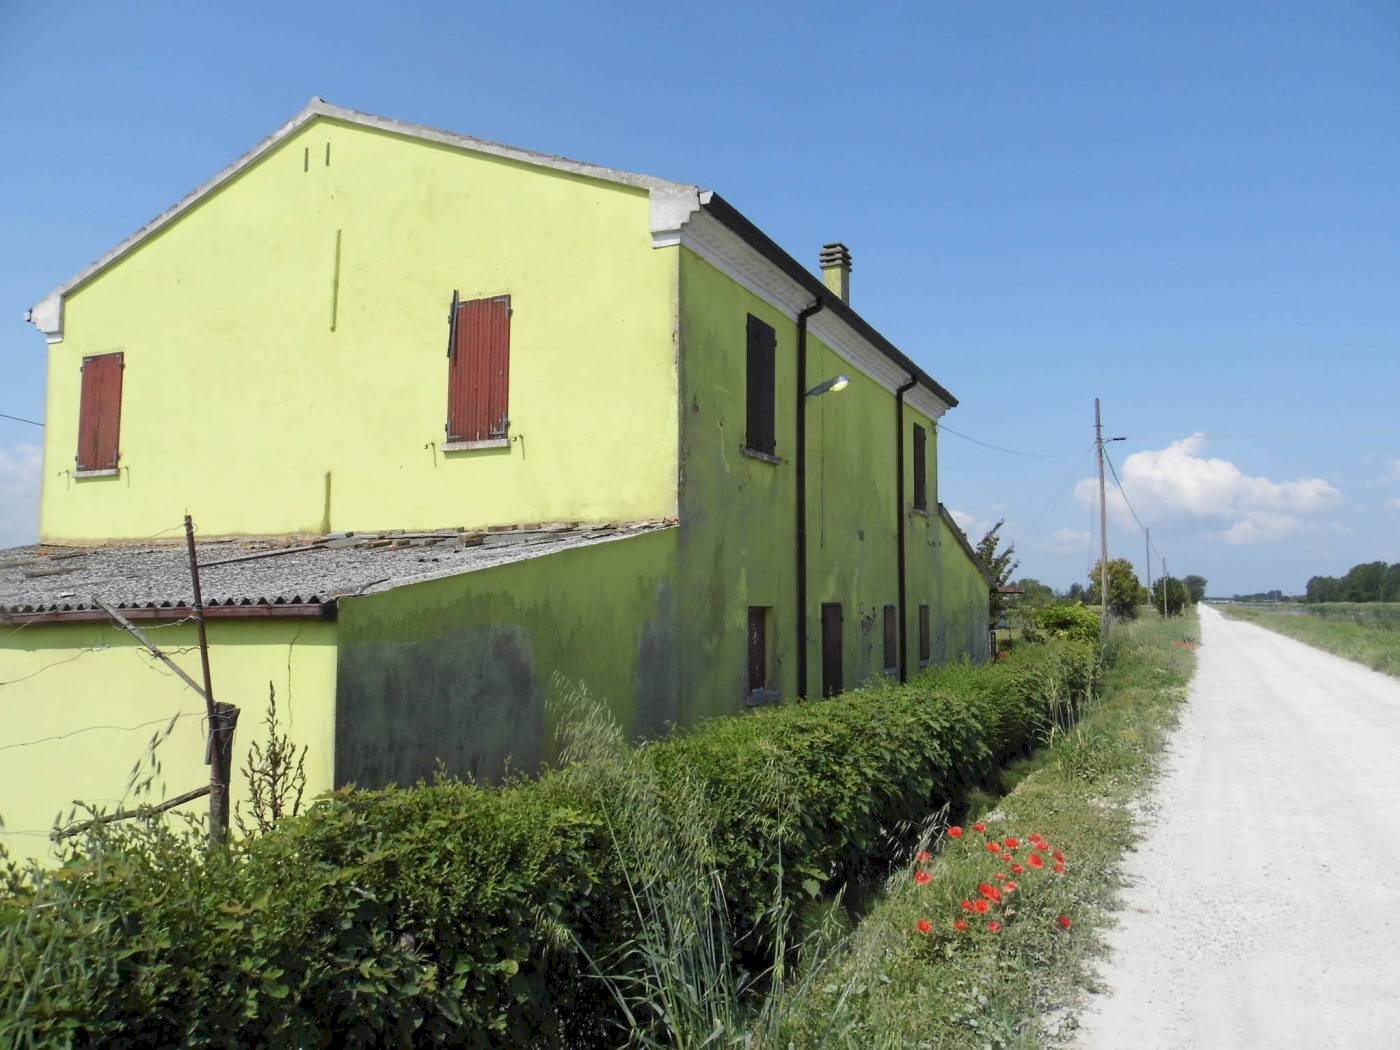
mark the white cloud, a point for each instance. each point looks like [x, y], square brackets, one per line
[969, 523]
[1178, 481]
[1070, 539]
[19, 494]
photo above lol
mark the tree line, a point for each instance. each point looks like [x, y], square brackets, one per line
[1372, 581]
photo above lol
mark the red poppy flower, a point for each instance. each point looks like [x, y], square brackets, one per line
[980, 907]
[979, 826]
[966, 905]
[925, 926]
[1037, 861]
[1010, 887]
[1063, 920]
[1013, 843]
[1000, 876]
[990, 892]
[955, 832]
[1059, 869]
[1016, 869]
[923, 856]
[1039, 847]
[922, 877]
[993, 847]
[960, 925]
[993, 927]
[1059, 856]
[1007, 857]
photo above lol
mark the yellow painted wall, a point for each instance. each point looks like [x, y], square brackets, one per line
[79, 703]
[266, 394]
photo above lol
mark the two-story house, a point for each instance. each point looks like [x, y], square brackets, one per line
[453, 418]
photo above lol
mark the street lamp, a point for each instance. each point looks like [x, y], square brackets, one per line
[832, 384]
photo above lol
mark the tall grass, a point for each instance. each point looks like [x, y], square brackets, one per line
[1368, 634]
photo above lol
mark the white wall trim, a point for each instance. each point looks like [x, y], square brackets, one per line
[734, 257]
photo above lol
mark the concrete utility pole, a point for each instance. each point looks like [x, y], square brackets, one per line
[1148, 562]
[1165, 578]
[1103, 529]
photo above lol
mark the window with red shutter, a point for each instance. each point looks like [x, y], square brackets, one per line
[100, 412]
[478, 373]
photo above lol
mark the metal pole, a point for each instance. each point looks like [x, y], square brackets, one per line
[217, 752]
[1103, 529]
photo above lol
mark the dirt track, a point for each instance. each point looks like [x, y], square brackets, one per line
[1265, 908]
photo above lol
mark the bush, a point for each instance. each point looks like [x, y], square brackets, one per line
[1068, 621]
[454, 914]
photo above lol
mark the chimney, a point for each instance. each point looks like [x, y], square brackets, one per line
[836, 269]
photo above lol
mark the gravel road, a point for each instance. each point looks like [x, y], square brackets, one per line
[1264, 909]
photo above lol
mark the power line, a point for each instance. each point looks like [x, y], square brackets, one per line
[21, 419]
[1121, 492]
[1009, 451]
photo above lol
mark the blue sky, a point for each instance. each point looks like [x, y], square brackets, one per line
[1190, 211]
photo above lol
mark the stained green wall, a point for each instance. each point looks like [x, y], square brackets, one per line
[458, 670]
[737, 513]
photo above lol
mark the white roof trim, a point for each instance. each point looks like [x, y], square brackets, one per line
[668, 198]
[738, 260]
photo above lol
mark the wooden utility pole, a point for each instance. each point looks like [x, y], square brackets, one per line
[218, 752]
[1103, 529]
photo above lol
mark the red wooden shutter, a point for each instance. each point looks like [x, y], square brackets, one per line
[478, 375]
[100, 412]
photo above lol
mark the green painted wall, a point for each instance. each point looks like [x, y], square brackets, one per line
[961, 627]
[79, 703]
[459, 669]
[260, 361]
[737, 513]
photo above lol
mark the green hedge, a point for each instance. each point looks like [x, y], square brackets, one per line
[452, 914]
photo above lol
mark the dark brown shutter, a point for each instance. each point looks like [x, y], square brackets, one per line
[100, 412]
[760, 432]
[891, 639]
[758, 647]
[833, 670]
[925, 635]
[478, 374]
[920, 468]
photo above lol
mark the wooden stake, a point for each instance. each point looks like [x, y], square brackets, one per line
[222, 717]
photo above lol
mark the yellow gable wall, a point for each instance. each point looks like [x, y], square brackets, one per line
[80, 702]
[285, 350]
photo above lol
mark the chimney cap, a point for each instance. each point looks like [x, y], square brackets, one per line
[835, 254]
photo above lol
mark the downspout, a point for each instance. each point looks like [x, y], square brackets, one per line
[899, 528]
[800, 459]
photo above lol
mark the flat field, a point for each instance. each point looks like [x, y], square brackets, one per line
[1368, 633]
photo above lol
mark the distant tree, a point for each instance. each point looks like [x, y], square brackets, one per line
[1392, 583]
[1196, 585]
[1036, 593]
[1125, 590]
[999, 563]
[1364, 582]
[1324, 589]
[1075, 593]
[1178, 594]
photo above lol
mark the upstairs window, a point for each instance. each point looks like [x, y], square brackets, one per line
[100, 413]
[891, 640]
[478, 372]
[920, 468]
[760, 435]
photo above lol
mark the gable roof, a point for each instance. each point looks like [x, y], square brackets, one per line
[671, 204]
